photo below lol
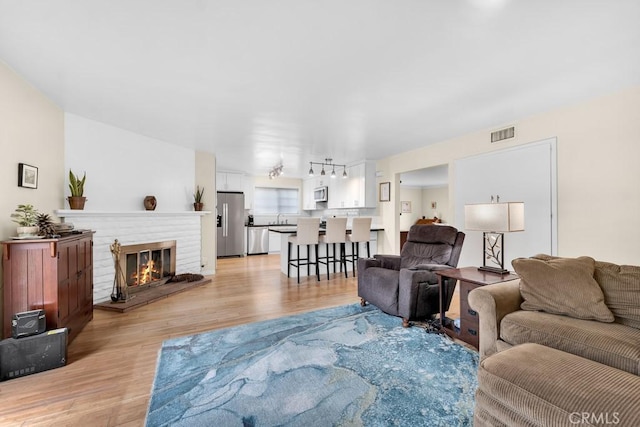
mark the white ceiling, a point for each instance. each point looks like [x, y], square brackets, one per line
[435, 176]
[257, 82]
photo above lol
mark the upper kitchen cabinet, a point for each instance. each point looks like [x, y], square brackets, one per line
[248, 188]
[358, 190]
[308, 187]
[308, 202]
[228, 181]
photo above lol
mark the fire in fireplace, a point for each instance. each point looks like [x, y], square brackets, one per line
[147, 263]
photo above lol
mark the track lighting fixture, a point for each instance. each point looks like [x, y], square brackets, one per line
[276, 171]
[328, 162]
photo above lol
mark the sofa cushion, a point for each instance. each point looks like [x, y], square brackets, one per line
[562, 286]
[610, 343]
[533, 385]
[621, 287]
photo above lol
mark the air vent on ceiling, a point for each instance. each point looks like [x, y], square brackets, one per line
[503, 134]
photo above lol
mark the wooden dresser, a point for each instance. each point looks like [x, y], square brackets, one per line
[51, 274]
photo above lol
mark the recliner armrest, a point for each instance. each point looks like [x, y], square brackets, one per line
[493, 302]
[391, 262]
[364, 263]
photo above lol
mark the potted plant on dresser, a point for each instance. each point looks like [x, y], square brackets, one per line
[26, 216]
[76, 185]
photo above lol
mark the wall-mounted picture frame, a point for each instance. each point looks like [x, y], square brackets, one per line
[405, 207]
[27, 176]
[385, 191]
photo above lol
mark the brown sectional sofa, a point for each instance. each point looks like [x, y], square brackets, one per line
[560, 346]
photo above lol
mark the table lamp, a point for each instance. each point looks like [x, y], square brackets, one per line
[494, 219]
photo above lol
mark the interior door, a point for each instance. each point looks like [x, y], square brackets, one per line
[521, 174]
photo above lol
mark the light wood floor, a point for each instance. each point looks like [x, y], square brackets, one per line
[111, 364]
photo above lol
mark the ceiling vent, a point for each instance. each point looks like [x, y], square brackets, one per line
[503, 134]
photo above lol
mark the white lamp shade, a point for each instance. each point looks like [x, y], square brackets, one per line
[495, 217]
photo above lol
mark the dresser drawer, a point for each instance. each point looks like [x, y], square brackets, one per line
[465, 310]
[468, 317]
[469, 333]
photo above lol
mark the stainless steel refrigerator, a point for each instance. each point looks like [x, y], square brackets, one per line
[230, 223]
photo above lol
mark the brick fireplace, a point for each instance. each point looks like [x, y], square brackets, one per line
[136, 228]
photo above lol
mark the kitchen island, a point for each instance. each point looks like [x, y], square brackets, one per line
[286, 231]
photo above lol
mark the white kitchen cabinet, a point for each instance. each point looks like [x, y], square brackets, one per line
[337, 191]
[274, 242]
[248, 188]
[308, 202]
[308, 186]
[358, 190]
[229, 181]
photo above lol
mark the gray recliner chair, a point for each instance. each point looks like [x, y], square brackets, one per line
[406, 285]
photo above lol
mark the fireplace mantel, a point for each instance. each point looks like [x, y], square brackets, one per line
[71, 213]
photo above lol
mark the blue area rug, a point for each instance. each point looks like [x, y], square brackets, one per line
[341, 366]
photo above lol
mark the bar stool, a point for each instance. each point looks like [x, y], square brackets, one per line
[336, 233]
[307, 233]
[360, 233]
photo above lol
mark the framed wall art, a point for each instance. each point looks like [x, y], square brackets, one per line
[385, 191]
[27, 176]
[405, 207]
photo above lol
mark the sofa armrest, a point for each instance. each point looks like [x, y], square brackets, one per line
[391, 262]
[493, 302]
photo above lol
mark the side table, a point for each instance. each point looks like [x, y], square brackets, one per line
[469, 279]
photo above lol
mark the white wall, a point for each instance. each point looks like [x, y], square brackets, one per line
[123, 167]
[598, 174]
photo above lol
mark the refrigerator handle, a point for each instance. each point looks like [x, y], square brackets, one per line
[225, 218]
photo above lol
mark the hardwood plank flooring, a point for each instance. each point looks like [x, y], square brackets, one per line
[112, 362]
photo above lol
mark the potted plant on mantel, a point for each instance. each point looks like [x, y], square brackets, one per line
[26, 216]
[76, 185]
[197, 199]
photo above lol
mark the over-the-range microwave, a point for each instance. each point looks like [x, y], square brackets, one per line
[320, 194]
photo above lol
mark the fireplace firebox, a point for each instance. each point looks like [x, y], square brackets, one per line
[147, 263]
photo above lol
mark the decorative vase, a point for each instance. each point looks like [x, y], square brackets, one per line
[150, 203]
[76, 202]
[27, 231]
[198, 206]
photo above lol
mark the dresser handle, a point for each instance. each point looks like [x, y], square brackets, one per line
[472, 332]
[472, 312]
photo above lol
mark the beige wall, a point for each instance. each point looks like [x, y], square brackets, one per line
[206, 177]
[31, 132]
[598, 174]
[413, 195]
[440, 195]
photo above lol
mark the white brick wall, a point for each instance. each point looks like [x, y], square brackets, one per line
[132, 228]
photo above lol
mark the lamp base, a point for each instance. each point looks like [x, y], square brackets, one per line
[494, 270]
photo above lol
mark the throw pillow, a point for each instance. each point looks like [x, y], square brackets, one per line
[562, 286]
[621, 287]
